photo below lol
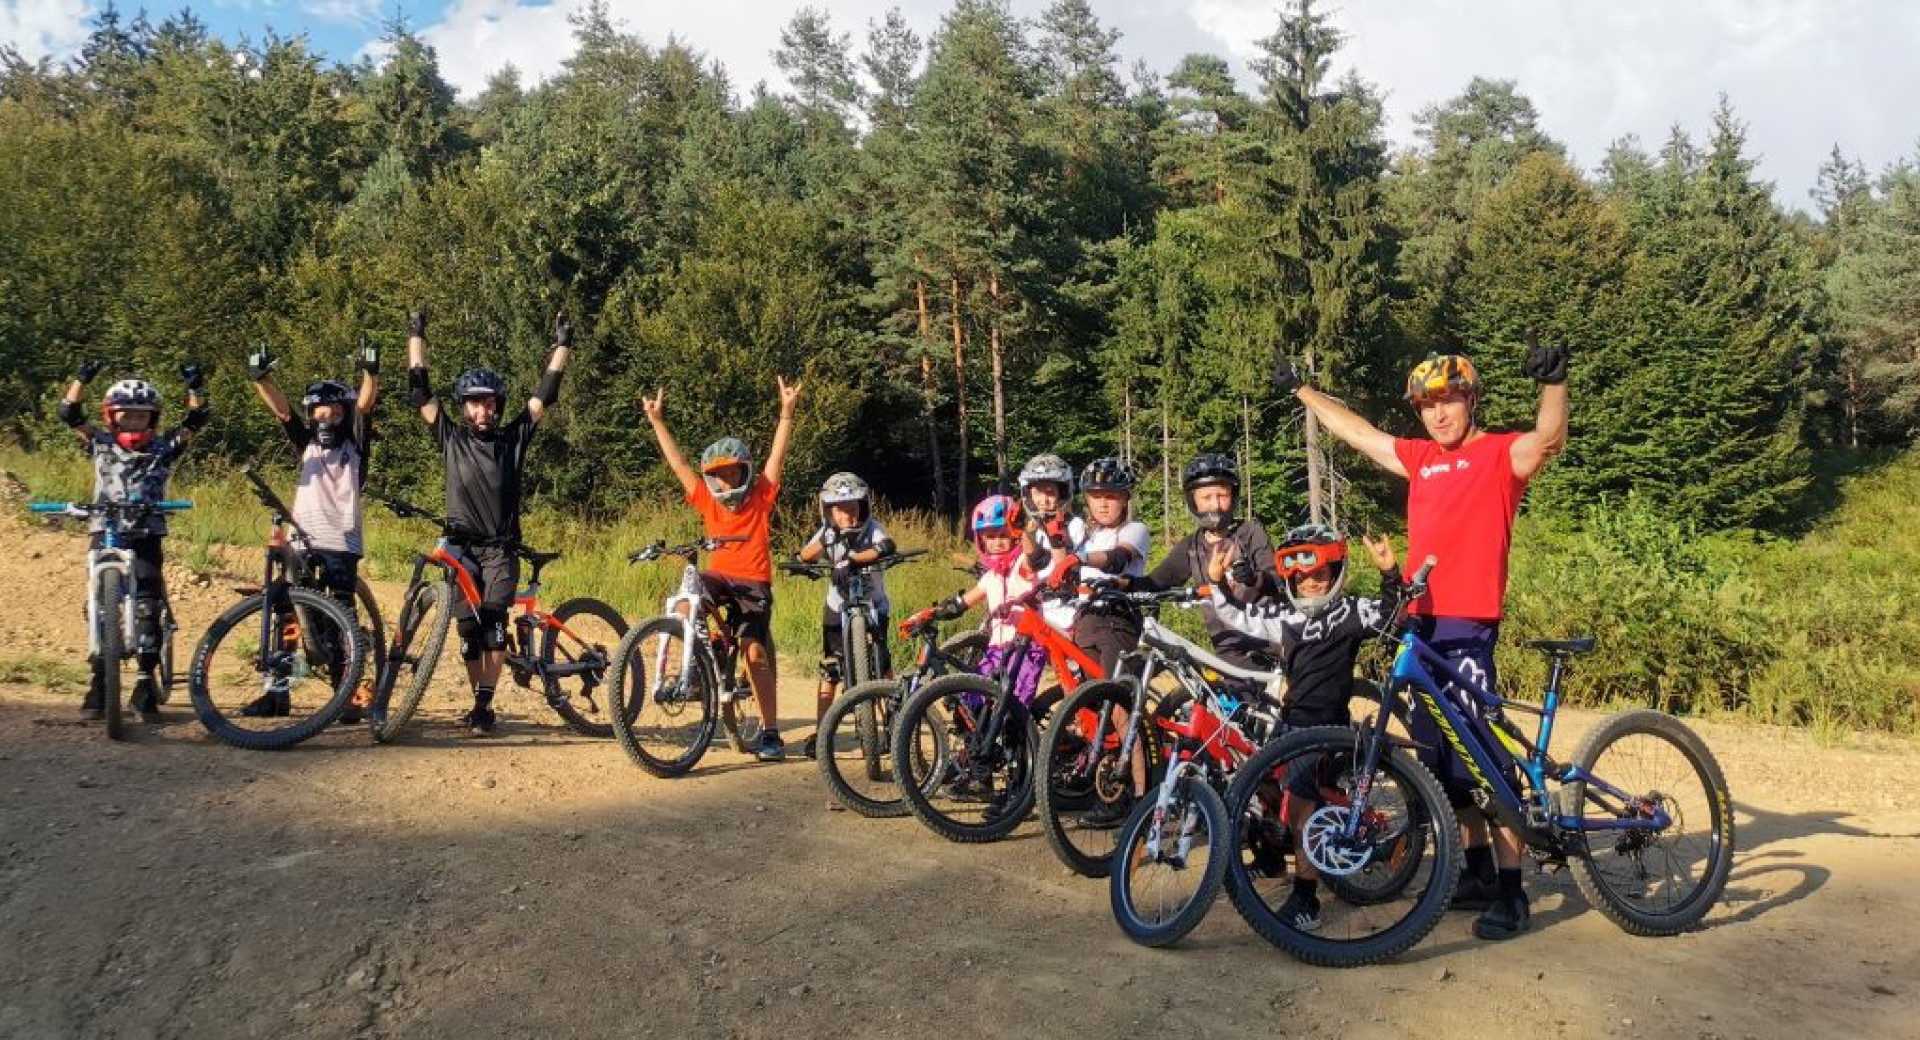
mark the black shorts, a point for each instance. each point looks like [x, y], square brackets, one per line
[495, 572]
[748, 605]
[1106, 637]
[1468, 647]
[830, 637]
[339, 572]
[149, 563]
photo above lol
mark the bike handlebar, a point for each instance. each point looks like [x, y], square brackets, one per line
[171, 505]
[818, 570]
[687, 551]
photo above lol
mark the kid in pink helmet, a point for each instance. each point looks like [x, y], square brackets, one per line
[998, 513]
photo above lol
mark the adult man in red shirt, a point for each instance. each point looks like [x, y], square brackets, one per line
[1464, 488]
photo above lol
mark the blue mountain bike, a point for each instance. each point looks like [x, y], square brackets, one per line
[1641, 813]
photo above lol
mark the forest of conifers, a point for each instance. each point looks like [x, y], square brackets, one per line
[975, 240]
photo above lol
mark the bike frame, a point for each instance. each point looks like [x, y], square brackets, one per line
[109, 557]
[1530, 813]
[1063, 656]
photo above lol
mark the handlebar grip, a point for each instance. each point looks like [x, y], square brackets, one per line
[48, 507]
[176, 504]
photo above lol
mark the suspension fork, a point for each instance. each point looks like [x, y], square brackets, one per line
[1373, 744]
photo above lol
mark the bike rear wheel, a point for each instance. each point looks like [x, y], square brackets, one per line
[1157, 892]
[662, 710]
[854, 750]
[111, 619]
[962, 787]
[419, 637]
[294, 686]
[1089, 789]
[1402, 793]
[1650, 882]
[575, 655]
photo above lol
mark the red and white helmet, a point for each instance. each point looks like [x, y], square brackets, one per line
[131, 395]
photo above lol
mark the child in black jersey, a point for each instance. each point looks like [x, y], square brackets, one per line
[1317, 637]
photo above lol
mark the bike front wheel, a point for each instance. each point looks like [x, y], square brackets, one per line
[111, 619]
[854, 750]
[419, 638]
[1092, 749]
[264, 697]
[576, 655]
[962, 785]
[1169, 862]
[1277, 823]
[662, 702]
[1649, 880]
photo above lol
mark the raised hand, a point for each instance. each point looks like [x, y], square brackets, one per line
[562, 330]
[1545, 365]
[1286, 375]
[367, 358]
[88, 369]
[1380, 548]
[417, 322]
[655, 407]
[195, 379]
[259, 363]
[789, 393]
[1224, 556]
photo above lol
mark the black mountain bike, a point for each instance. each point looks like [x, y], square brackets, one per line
[282, 664]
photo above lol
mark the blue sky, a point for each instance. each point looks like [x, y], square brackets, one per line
[1803, 74]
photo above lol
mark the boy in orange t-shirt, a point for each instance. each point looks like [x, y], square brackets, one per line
[735, 502]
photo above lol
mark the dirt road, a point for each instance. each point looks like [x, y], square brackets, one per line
[538, 885]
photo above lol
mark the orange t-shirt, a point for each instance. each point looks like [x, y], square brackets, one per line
[751, 560]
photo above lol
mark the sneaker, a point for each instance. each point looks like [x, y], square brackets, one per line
[769, 748]
[808, 747]
[357, 704]
[1301, 912]
[1475, 893]
[1505, 919]
[996, 809]
[479, 722]
[94, 707]
[146, 700]
[273, 704]
[1105, 816]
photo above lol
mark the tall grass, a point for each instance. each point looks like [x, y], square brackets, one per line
[1815, 631]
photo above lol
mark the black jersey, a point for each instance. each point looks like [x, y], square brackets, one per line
[484, 473]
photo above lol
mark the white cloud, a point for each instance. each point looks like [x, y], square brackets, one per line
[1803, 74]
[44, 28]
[348, 12]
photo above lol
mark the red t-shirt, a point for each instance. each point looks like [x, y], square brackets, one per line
[751, 560]
[1460, 509]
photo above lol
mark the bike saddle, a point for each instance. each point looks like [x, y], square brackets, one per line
[538, 559]
[1577, 645]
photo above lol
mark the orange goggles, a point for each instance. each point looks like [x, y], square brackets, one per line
[1295, 560]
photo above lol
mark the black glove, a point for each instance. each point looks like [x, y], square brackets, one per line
[1242, 572]
[195, 379]
[562, 331]
[1545, 365]
[1286, 375]
[259, 363]
[367, 358]
[88, 369]
[417, 323]
[952, 607]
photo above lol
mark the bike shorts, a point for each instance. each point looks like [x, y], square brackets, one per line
[1467, 645]
[830, 638]
[495, 571]
[149, 563]
[749, 603]
[1106, 638]
[339, 572]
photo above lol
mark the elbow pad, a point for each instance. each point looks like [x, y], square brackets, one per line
[70, 413]
[885, 547]
[196, 418]
[549, 389]
[419, 393]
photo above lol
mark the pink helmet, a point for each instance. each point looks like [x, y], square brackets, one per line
[997, 513]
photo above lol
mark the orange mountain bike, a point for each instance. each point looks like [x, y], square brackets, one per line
[566, 649]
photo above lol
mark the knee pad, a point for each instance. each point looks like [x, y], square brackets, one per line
[493, 628]
[470, 645]
[146, 623]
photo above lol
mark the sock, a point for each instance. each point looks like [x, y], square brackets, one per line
[1480, 862]
[482, 695]
[1510, 883]
[1308, 891]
